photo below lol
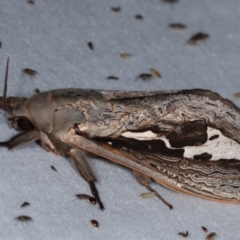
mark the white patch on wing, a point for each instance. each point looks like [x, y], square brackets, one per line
[221, 147]
[148, 135]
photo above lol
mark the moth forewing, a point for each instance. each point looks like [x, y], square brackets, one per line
[216, 179]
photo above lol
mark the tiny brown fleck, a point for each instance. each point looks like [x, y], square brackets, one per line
[116, 9]
[155, 73]
[112, 78]
[30, 1]
[0, 44]
[204, 229]
[24, 218]
[145, 76]
[170, 1]
[25, 204]
[95, 223]
[211, 236]
[183, 234]
[148, 194]
[90, 45]
[177, 26]
[126, 55]
[91, 199]
[37, 90]
[198, 37]
[237, 95]
[53, 168]
[139, 17]
[29, 72]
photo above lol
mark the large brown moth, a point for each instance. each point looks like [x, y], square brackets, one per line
[188, 140]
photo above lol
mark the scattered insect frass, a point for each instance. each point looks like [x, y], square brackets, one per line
[148, 194]
[155, 73]
[25, 204]
[53, 168]
[198, 37]
[90, 45]
[112, 78]
[29, 72]
[237, 95]
[139, 17]
[177, 26]
[30, 1]
[115, 9]
[37, 90]
[126, 55]
[211, 236]
[183, 234]
[91, 199]
[24, 218]
[204, 229]
[145, 76]
[95, 223]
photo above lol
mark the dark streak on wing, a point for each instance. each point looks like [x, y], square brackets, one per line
[156, 148]
[204, 156]
[213, 137]
[188, 134]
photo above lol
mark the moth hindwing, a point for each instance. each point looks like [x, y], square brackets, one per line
[188, 140]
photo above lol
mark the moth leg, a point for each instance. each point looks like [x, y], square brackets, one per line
[86, 172]
[22, 138]
[145, 181]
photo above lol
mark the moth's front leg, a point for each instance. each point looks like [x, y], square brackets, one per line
[86, 172]
[145, 181]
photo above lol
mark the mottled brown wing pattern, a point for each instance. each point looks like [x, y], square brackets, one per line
[189, 139]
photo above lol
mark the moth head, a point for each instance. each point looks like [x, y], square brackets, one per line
[28, 114]
[21, 123]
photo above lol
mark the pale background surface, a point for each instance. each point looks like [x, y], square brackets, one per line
[51, 37]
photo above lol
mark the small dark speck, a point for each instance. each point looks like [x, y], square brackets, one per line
[29, 72]
[177, 26]
[24, 218]
[37, 90]
[90, 45]
[197, 38]
[25, 204]
[112, 78]
[183, 234]
[214, 137]
[53, 168]
[145, 76]
[139, 17]
[116, 9]
[170, 1]
[91, 199]
[30, 1]
[204, 229]
[95, 223]
[0, 44]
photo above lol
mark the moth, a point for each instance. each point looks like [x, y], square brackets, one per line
[188, 140]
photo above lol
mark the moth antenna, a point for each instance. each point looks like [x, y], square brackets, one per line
[4, 99]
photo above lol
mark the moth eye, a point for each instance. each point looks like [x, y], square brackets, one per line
[24, 124]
